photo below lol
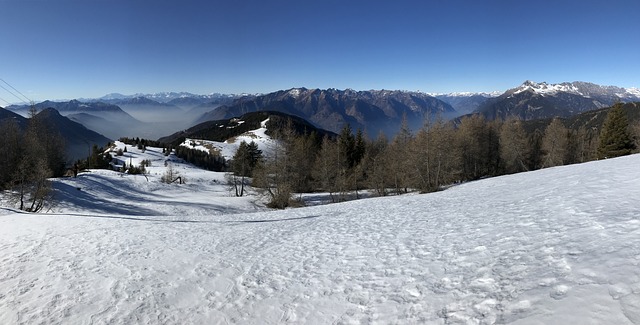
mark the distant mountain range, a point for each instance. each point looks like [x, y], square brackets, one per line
[104, 118]
[155, 115]
[373, 111]
[77, 138]
[174, 98]
[465, 103]
[533, 100]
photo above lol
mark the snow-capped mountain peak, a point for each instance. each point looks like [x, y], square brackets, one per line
[580, 88]
[165, 97]
[633, 92]
[295, 92]
[467, 94]
[545, 89]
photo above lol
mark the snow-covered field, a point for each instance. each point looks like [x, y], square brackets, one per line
[555, 246]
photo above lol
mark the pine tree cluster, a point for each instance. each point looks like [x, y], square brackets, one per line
[208, 161]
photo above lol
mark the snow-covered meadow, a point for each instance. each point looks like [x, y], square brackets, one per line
[554, 246]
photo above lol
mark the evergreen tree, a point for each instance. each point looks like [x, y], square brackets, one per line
[241, 163]
[346, 160]
[360, 147]
[347, 144]
[254, 154]
[244, 162]
[99, 159]
[635, 134]
[615, 139]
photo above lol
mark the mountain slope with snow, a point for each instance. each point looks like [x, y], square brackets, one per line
[228, 148]
[533, 100]
[585, 89]
[559, 245]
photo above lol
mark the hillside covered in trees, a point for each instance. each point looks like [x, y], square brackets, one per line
[441, 153]
[221, 130]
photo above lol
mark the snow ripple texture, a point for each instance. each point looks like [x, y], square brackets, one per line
[555, 246]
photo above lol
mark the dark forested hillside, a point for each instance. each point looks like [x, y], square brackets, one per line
[222, 130]
[78, 139]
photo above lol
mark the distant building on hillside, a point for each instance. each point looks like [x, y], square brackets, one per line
[117, 164]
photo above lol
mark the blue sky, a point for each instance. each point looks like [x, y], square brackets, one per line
[58, 49]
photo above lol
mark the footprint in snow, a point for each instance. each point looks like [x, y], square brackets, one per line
[559, 291]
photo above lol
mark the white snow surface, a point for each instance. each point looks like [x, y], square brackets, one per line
[554, 246]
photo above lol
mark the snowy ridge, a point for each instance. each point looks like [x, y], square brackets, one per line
[163, 97]
[229, 147]
[584, 89]
[544, 88]
[558, 245]
[579, 88]
[295, 92]
[634, 92]
[468, 94]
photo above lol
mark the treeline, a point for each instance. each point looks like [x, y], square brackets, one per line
[440, 154]
[30, 156]
[141, 143]
[209, 161]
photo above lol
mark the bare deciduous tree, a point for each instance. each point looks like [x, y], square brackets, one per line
[31, 185]
[554, 144]
[376, 160]
[326, 167]
[513, 146]
[399, 164]
[275, 173]
[432, 157]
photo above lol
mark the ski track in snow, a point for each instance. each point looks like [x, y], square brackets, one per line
[560, 245]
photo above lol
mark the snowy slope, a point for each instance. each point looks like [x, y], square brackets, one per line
[229, 147]
[555, 246]
[108, 192]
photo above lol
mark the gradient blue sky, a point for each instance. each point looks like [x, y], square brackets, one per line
[58, 49]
